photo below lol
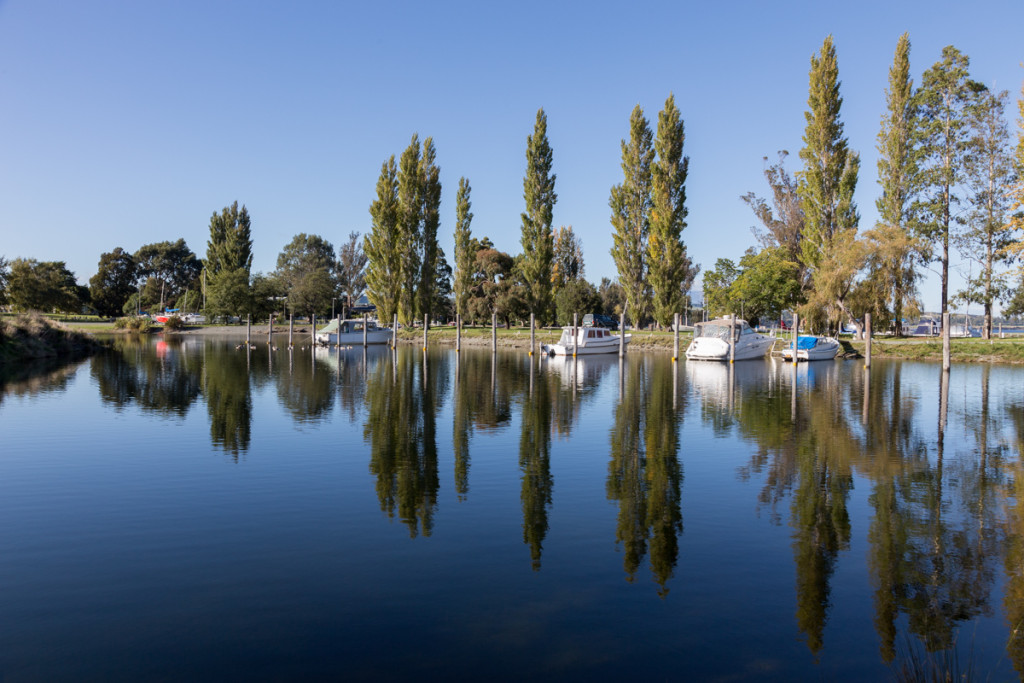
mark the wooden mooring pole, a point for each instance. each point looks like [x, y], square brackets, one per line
[426, 320]
[945, 341]
[622, 335]
[291, 329]
[533, 337]
[675, 338]
[867, 340]
[494, 332]
[575, 334]
[796, 334]
[248, 329]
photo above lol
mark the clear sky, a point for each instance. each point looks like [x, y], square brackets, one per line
[124, 122]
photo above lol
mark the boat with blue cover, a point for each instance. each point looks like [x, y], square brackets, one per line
[812, 348]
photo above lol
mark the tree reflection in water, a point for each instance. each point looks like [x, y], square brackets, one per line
[644, 473]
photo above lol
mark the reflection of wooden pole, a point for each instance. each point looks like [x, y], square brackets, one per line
[792, 404]
[622, 334]
[945, 341]
[867, 391]
[867, 340]
[533, 338]
[675, 338]
[494, 331]
[575, 333]
[796, 333]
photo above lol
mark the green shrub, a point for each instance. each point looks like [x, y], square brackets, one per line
[133, 323]
[174, 323]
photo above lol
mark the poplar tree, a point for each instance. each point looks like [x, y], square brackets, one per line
[895, 248]
[383, 246]
[989, 174]
[228, 261]
[430, 212]
[464, 255]
[943, 102]
[410, 213]
[631, 208]
[829, 248]
[537, 239]
[670, 271]
[230, 245]
[1016, 222]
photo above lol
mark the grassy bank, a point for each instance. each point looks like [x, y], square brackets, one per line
[961, 350]
[32, 336]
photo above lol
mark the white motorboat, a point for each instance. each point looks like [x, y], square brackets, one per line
[589, 340]
[812, 348]
[711, 341]
[351, 333]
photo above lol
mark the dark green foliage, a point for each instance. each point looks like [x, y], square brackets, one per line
[42, 286]
[577, 296]
[537, 240]
[309, 272]
[114, 282]
[631, 209]
[669, 269]
[230, 244]
[383, 246]
[228, 293]
[613, 298]
[268, 296]
[410, 236]
[169, 268]
[464, 253]
[5, 273]
[495, 288]
[717, 283]
[430, 210]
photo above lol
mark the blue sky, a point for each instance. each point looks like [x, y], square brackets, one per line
[124, 123]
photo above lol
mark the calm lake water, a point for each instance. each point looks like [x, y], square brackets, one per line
[183, 510]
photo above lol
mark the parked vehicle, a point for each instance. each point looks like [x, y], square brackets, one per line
[600, 320]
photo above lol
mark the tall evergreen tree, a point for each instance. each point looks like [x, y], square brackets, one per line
[430, 183]
[230, 245]
[464, 255]
[537, 239]
[410, 214]
[631, 209]
[1016, 222]
[670, 270]
[943, 102]
[383, 246]
[826, 185]
[895, 250]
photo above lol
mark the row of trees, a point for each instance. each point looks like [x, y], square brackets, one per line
[947, 177]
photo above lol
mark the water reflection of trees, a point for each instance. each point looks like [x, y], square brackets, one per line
[163, 379]
[644, 473]
[934, 534]
[403, 398]
[229, 401]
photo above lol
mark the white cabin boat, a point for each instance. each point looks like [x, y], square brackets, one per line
[351, 333]
[589, 340]
[711, 341]
[812, 348]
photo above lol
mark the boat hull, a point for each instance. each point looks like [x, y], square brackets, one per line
[826, 348]
[355, 338]
[718, 349]
[588, 350]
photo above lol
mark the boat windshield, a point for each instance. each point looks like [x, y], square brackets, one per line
[719, 330]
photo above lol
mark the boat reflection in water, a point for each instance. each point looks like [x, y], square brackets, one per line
[582, 371]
